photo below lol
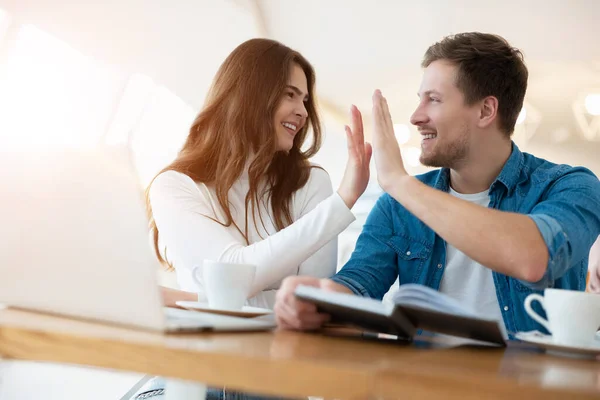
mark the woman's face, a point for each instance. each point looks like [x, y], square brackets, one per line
[291, 114]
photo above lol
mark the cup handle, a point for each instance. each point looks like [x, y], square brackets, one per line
[195, 276]
[531, 298]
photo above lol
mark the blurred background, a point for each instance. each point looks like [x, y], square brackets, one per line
[78, 73]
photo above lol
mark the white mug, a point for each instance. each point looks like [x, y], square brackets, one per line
[227, 285]
[573, 316]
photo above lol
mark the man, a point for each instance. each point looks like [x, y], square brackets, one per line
[493, 224]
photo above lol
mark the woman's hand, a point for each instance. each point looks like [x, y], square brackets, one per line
[356, 175]
[171, 296]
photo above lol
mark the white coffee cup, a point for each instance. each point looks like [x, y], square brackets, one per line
[573, 317]
[227, 285]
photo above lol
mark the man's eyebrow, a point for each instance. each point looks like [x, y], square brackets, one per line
[297, 91]
[428, 92]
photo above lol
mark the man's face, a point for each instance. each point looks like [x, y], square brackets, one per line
[444, 121]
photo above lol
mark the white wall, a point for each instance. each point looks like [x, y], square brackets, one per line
[179, 44]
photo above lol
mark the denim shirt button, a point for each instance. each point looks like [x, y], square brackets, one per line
[439, 265]
[505, 308]
[408, 253]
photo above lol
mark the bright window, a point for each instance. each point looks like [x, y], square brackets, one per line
[154, 122]
[4, 22]
[52, 96]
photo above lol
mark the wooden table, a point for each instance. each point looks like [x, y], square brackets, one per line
[300, 364]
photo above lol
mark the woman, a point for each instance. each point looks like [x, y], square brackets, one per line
[242, 188]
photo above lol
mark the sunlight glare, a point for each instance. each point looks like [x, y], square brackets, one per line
[52, 96]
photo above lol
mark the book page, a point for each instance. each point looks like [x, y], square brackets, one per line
[347, 300]
[428, 298]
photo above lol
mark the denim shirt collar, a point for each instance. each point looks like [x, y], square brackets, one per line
[442, 182]
[508, 176]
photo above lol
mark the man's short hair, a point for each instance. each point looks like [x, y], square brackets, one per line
[487, 66]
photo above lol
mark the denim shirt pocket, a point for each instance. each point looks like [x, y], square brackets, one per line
[412, 256]
[520, 287]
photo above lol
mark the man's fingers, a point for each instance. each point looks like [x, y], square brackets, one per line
[387, 116]
[295, 324]
[291, 317]
[377, 119]
[378, 111]
[292, 313]
[594, 283]
[290, 302]
[384, 117]
[283, 316]
[287, 303]
[289, 284]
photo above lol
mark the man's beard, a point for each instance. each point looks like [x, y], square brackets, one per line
[447, 156]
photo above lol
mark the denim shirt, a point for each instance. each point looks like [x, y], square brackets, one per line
[563, 201]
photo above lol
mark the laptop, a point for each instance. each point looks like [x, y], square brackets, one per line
[74, 241]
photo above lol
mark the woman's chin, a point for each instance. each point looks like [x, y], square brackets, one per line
[285, 147]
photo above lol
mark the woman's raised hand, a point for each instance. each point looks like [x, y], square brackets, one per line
[356, 175]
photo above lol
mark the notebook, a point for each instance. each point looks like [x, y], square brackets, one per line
[415, 307]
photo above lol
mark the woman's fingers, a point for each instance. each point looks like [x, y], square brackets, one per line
[368, 152]
[357, 125]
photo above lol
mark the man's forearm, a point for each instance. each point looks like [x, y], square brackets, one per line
[332, 286]
[505, 242]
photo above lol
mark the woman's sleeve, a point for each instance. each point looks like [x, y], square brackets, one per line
[182, 212]
[322, 264]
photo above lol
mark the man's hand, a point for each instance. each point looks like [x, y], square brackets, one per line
[594, 267]
[295, 314]
[388, 159]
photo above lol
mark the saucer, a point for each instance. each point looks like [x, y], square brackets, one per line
[245, 312]
[545, 341]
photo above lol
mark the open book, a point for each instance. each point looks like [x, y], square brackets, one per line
[415, 307]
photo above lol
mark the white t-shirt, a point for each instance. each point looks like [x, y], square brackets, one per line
[182, 208]
[468, 281]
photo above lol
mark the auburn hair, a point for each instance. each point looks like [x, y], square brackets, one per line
[235, 128]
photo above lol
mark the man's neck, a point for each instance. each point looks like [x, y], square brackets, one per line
[483, 167]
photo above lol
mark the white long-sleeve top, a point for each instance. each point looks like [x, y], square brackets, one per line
[181, 210]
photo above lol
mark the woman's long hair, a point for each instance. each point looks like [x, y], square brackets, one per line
[237, 121]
